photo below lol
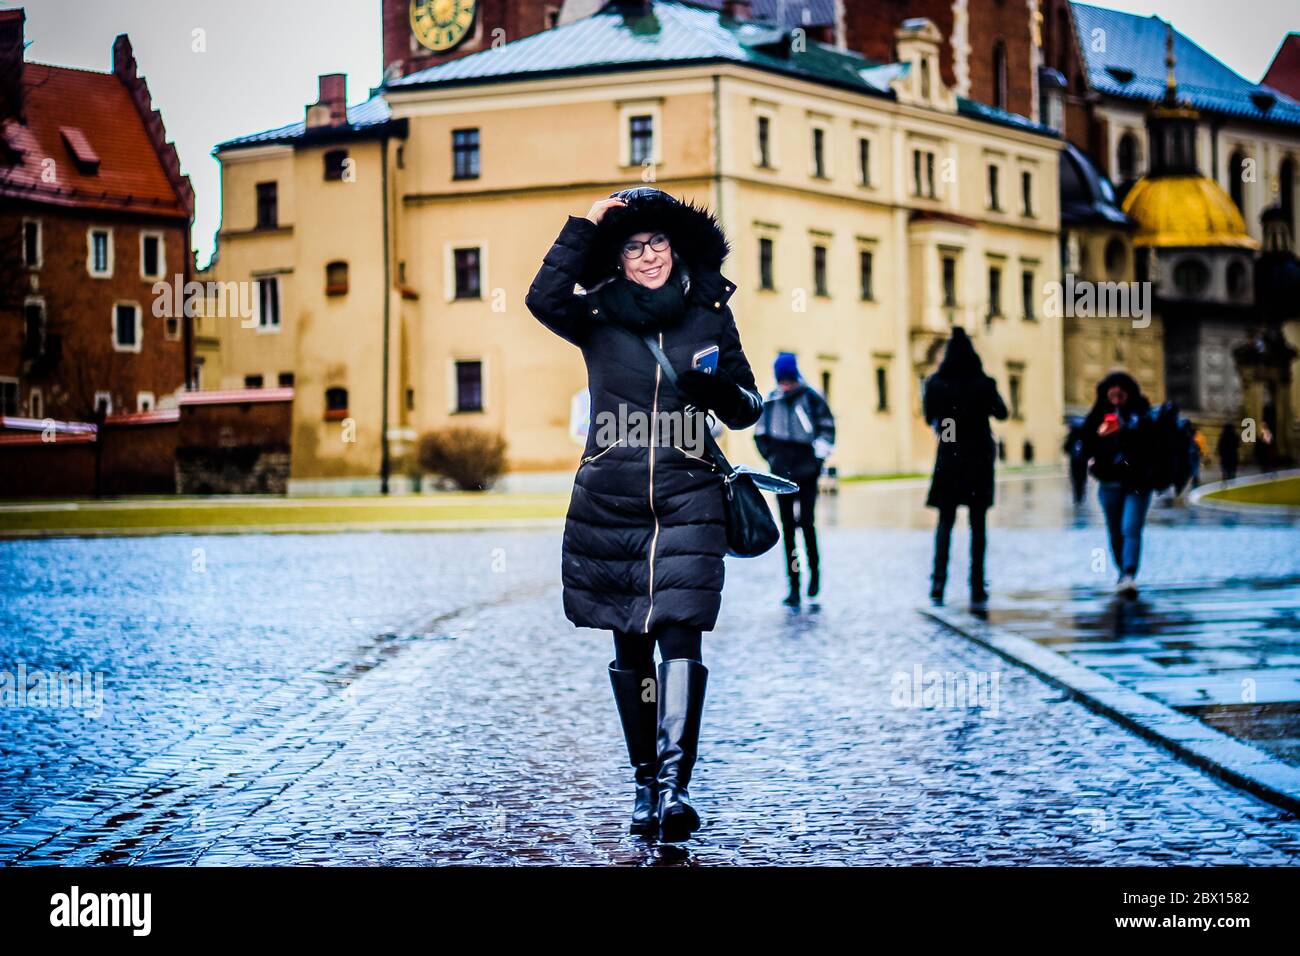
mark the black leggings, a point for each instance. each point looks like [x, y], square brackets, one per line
[806, 498]
[637, 651]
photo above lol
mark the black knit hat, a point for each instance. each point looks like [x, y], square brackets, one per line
[693, 231]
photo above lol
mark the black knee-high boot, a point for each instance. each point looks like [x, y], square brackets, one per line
[639, 719]
[681, 703]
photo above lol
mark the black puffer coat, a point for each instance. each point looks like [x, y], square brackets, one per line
[645, 535]
[959, 401]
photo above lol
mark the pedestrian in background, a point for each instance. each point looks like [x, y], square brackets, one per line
[1228, 446]
[1119, 439]
[796, 434]
[646, 533]
[1078, 461]
[959, 400]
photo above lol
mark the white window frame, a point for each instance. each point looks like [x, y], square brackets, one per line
[162, 254]
[10, 380]
[640, 107]
[449, 269]
[452, 384]
[139, 326]
[769, 111]
[108, 399]
[264, 328]
[145, 402]
[35, 403]
[40, 242]
[90, 252]
[818, 121]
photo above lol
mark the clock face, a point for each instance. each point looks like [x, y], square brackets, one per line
[441, 24]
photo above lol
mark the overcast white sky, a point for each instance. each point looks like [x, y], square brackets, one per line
[263, 56]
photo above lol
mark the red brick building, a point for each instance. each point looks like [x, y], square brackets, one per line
[94, 210]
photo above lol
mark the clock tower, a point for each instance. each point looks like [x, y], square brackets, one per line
[419, 34]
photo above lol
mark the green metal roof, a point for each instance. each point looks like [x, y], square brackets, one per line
[674, 33]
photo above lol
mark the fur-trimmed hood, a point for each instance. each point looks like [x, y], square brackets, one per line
[697, 238]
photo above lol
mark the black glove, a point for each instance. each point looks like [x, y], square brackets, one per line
[718, 392]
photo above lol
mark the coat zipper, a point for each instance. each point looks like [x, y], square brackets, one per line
[599, 453]
[705, 461]
[654, 540]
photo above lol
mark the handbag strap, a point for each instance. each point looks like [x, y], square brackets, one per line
[711, 443]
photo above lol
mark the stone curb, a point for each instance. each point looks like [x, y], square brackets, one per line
[1188, 739]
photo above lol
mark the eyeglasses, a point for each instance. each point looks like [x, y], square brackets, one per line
[635, 248]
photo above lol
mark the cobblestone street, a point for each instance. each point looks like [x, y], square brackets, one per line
[420, 698]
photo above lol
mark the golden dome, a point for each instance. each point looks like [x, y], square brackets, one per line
[1185, 211]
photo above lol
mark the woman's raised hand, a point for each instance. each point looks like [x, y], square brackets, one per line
[602, 206]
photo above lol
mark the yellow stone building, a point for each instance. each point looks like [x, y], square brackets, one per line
[869, 209]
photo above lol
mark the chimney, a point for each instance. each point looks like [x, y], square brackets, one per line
[11, 62]
[739, 10]
[331, 107]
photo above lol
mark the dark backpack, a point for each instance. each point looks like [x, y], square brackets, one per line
[1171, 448]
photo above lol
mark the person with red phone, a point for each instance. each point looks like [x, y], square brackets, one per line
[1116, 437]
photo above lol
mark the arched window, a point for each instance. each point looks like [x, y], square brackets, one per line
[1191, 276]
[1128, 158]
[1000, 75]
[1237, 180]
[1237, 279]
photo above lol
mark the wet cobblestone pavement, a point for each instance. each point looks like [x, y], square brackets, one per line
[420, 699]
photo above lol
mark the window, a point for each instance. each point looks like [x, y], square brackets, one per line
[1127, 158]
[1027, 294]
[866, 274]
[925, 78]
[1028, 452]
[864, 161]
[336, 278]
[336, 163]
[410, 399]
[469, 386]
[995, 291]
[126, 327]
[882, 388]
[252, 381]
[641, 138]
[1014, 396]
[268, 210]
[1116, 258]
[464, 154]
[336, 403]
[923, 173]
[104, 403]
[764, 131]
[949, 282]
[1237, 180]
[285, 380]
[99, 260]
[1238, 281]
[35, 403]
[819, 270]
[144, 401]
[765, 263]
[268, 303]
[1191, 277]
[826, 385]
[995, 201]
[1027, 191]
[819, 152]
[8, 396]
[171, 327]
[467, 273]
[33, 328]
[32, 243]
[1000, 75]
[152, 259]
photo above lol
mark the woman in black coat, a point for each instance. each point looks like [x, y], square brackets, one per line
[959, 400]
[645, 534]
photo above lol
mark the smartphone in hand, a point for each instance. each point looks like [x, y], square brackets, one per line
[706, 360]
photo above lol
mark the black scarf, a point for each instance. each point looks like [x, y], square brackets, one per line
[643, 309]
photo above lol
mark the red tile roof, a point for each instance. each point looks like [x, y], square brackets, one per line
[99, 107]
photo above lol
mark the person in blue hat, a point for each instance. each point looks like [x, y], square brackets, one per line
[796, 434]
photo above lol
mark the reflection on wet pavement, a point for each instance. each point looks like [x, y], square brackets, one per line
[1226, 652]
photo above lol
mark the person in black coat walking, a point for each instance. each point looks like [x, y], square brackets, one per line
[959, 400]
[645, 534]
[1227, 447]
[796, 434]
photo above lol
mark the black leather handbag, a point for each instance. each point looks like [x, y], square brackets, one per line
[751, 531]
